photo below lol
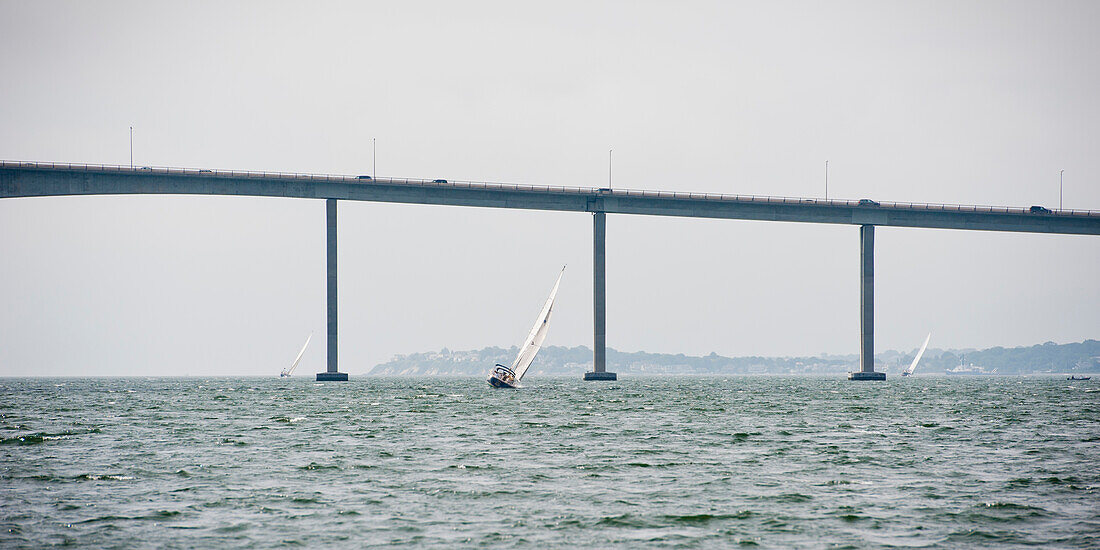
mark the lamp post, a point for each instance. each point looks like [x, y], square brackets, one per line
[826, 180]
[374, 157]
[1060, 188]
[131, 147]
[609, 168]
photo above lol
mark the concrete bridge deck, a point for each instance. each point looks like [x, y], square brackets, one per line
[36, 179]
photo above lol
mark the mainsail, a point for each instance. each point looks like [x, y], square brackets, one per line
[288, 372]
[537, 335]
[920, 354]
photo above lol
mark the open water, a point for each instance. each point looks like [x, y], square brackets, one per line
[643, 462]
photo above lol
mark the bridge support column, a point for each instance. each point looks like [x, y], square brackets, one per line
[332, 374]
[599, 299]
[867, 307]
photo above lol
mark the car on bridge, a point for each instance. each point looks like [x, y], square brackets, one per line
[439, 181]
[363, 178]
[1036, 209]
[867, 202]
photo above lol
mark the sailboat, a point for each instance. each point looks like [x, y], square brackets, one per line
[509, 377]
[913, 366]
[287, 372]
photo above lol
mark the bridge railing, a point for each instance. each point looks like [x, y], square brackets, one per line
[599, 192]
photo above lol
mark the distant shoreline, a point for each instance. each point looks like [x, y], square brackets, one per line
[1042, 360]
[1048, 359]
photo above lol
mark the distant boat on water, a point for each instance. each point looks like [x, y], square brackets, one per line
[1075, 377]
[970, 370]
[509, 377]
[287, 372]
[913, 366]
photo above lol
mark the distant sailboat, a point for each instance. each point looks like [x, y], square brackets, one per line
[509, 377]
[912, 367]
[287, 372]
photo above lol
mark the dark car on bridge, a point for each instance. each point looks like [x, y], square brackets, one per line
[1036, 209]
[867, 202]
[439, 181]
[364, 177]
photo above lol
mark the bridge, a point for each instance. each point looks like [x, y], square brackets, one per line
[36, 179]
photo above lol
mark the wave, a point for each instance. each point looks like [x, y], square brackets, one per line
[42, 437]
[103, 477]
[702, 519]
[159, 515]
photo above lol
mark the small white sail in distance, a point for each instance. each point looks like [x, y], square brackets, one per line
[537, 335]
[920, 354]
[290, 371]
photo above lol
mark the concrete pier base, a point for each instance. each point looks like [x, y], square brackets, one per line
[600, 376]
[332, 373]
[866, 376]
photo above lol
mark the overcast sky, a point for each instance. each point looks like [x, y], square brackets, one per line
[944, 102]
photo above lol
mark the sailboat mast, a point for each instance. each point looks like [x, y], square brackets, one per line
[920, 354]
[300, 354]
[537, 336]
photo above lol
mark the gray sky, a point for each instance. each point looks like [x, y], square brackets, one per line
[947, 102]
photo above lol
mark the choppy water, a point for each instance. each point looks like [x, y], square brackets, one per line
[643, 462]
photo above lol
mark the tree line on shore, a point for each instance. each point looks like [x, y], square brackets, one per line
[1078, 357]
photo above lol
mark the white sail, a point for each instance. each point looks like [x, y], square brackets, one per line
[537, 335]
[920, 354]
[290, 371]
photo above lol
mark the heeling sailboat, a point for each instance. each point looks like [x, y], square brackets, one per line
[509, 377]
[913, 366]
[287, 372]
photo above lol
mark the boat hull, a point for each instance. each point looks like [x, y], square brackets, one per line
[498, 383]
